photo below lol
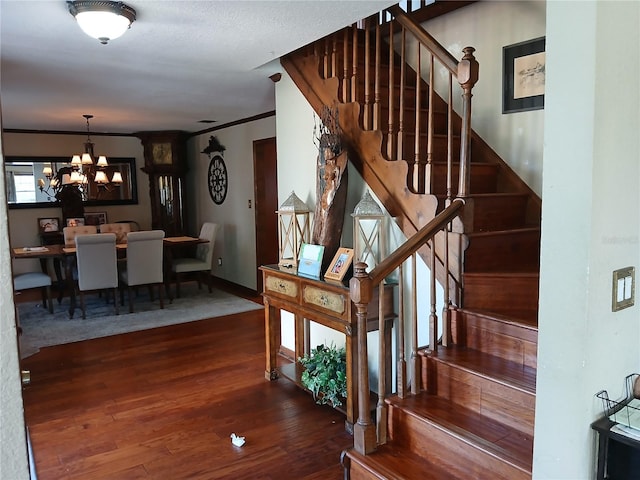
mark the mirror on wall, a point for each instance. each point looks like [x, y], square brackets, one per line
[34, 182]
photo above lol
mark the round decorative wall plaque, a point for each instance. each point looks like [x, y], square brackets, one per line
[218, 181]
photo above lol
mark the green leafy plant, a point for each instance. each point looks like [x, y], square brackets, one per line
[325, 374]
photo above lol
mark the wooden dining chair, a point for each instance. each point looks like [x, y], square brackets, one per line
[143, 264]
[96, 262]
[201, 263]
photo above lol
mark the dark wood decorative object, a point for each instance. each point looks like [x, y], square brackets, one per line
[331, 186]
[165, 163]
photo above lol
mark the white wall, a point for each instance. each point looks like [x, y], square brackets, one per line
[590, 226]
[236, 237]
[13, 442]
[488, 26]
[24, 222]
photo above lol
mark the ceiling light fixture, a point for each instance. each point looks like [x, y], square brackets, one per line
[102, 20]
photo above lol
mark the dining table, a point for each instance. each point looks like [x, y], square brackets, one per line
[66, 255]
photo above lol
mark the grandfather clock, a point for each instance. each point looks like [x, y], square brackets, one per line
[165, 161]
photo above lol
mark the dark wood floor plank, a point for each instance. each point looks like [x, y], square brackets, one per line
[162, 404]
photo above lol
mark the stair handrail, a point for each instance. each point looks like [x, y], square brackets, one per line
[466, 71]
[365, 437]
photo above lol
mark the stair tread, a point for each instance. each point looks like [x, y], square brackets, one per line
[521, 322]
[390, 461]
[485, 433]
[498, 369]
[511, 231]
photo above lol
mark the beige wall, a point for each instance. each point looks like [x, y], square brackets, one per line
[23, 223]
[236, 237]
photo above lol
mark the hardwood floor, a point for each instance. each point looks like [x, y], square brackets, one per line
[162, 404]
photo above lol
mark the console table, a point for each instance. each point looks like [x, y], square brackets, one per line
[328, 304]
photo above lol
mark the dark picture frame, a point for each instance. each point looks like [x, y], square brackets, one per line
[48, 224]
[523, 76]
[95, 218]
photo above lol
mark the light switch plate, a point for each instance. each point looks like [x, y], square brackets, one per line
[624, 288]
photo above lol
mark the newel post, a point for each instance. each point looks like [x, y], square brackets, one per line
[468, 71]
[364, 432]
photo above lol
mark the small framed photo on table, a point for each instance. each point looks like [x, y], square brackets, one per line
[75, 222]
[95, 218]
[48, 224]
[340, 264]
[310, 260]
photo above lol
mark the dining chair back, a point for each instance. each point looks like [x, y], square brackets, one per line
[96, 262]
[70, 233]
[120, 229]
[144, 264]
[202, 262]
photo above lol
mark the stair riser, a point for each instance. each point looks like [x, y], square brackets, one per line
[498, 212]
[510, 342]
[508, 295]
[443, 448]
[498, 401]
[504, 252]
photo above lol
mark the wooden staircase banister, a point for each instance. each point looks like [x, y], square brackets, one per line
[442, 54]
[389, 264]
[361, 288]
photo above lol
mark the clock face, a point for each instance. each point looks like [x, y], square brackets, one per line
[217, 179]
[162, 153]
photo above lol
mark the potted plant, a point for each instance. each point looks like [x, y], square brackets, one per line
[325, 374]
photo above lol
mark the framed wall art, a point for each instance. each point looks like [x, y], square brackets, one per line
[95, 218]
[75, 222]
[339, 265]
[48, 224]
[523, 76]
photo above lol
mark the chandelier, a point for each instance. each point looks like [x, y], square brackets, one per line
[80, 173]
[102, 20]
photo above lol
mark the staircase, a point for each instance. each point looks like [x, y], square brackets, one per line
[473, 414]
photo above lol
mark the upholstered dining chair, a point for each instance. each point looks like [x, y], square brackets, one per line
[201, 262]
[70, 233]
[120, 229]
[144, 264]
[97, 265]
[27, 281]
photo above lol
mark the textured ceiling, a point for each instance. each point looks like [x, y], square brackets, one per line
[181, 62]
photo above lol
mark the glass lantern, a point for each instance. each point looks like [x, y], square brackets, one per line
[368, 232]
[293, 231]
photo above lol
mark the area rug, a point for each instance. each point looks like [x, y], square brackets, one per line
[42, 329]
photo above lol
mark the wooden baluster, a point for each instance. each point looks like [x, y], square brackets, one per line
[334, 56]
[364, 433]
[402, 363]
[345, 66]
[467, 76]
[417, 178]
[446, 328]
[430, 127]
[381, 408]
[325, 59]
[354, 71]
[367, 74]
[376, 102]
[433, 317]
[400, 150]
[450, 142]
[391, 134]
[415, 360]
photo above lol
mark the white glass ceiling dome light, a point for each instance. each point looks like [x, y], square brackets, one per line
[102, 20]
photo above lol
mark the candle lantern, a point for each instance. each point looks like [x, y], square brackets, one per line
[368, 232]
[293, 231]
